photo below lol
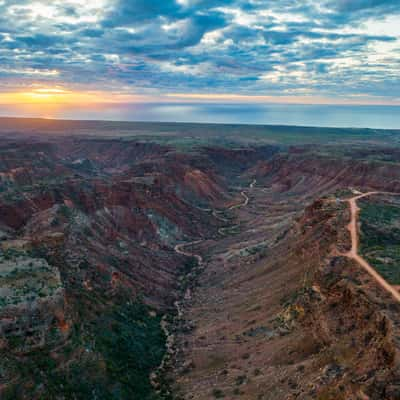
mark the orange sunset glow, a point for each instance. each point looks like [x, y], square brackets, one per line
[60, 96]
[55, 95]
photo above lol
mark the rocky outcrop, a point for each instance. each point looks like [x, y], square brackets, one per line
[353, 323]
[32, 301]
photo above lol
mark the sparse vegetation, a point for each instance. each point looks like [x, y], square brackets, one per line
[65, 211]
[380, 236]
[120, 350]
[218, 394]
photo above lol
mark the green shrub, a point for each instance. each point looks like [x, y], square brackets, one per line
[218, 394]
[380, 237]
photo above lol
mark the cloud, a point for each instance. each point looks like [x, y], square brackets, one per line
[259, 47]
[127, 13]
[357, 5]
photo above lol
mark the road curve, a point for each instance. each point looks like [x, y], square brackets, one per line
[353, 253]
[243, 204]
[179, 249]
[244, 195]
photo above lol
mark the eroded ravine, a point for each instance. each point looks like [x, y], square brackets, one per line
[156, 377]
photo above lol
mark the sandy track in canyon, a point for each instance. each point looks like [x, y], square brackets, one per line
[179, 249]
[244, 204]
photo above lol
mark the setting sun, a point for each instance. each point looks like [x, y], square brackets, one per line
[58, 95]
[45, 95]
[53, 95]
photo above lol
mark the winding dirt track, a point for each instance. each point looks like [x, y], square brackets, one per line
[353, 253]
[179, 249]
[244, 204]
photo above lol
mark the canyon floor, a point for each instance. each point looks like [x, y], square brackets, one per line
[183, 261]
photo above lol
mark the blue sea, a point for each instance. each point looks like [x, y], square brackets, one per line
[386, 117]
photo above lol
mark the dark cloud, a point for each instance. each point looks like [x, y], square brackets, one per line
[38, 41]
[357, 5]
[127, 13]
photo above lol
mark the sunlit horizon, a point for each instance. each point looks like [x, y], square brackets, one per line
[87, 59]
[45, 98]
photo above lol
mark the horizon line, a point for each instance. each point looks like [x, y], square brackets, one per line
[259, 125]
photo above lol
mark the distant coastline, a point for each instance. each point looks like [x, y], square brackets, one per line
[334, 116]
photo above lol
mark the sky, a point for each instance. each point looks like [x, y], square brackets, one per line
[56, 54]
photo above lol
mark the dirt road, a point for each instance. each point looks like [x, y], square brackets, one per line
[353, 253]
[244, 204]
[179, 249]
[244, 195]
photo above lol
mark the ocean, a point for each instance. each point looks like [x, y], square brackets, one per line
[378, 117]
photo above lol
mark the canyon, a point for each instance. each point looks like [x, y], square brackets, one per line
[167, 261]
